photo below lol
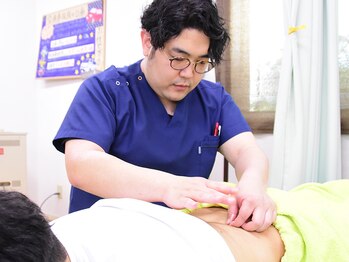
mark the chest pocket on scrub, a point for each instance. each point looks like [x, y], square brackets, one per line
[207, 151]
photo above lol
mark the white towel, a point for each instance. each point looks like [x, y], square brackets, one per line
[129, 230]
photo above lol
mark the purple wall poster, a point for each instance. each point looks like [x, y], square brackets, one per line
[72, 42]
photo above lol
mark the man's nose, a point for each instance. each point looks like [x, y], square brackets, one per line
[189, 71]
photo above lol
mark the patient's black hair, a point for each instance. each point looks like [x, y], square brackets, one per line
[165, 19]
[25, 234]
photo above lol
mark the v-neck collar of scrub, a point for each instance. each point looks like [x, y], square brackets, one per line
[181, 106]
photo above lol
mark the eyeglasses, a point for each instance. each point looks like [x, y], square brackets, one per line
[200, 66]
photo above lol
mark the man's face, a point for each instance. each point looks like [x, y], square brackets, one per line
[169, 84]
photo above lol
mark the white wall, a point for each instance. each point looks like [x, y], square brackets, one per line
[17, 88]
[37, 106]
[54, 97]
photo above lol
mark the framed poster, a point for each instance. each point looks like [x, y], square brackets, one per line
[72, 42]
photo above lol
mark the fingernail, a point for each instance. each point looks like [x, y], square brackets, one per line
[229, 220]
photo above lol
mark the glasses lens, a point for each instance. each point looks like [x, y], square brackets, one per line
[202, 67]
[179, 63]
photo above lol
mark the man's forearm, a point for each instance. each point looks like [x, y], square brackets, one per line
[91, 169]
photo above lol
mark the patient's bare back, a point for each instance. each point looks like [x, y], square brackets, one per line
[245, 245]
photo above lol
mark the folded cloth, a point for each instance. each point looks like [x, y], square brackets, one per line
[313, 221]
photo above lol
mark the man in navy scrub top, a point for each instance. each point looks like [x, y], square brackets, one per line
[151, 130]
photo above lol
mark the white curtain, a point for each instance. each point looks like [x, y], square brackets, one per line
[307, 138]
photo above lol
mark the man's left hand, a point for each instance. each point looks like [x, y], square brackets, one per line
[253, 211]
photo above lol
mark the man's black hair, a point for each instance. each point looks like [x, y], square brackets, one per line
[165, 19]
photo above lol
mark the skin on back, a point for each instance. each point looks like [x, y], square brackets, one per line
[245, 246]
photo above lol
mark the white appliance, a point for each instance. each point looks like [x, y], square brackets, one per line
[13, 161]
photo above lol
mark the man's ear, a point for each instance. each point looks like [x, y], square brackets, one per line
[146, 42]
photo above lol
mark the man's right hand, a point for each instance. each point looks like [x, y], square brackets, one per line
[187, 192]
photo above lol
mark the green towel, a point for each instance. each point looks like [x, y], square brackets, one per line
[313, 221]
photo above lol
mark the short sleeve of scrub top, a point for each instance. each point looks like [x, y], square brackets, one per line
[119, 111]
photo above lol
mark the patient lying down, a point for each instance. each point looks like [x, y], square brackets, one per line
[133, 230]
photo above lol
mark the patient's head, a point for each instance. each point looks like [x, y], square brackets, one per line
[25, 235]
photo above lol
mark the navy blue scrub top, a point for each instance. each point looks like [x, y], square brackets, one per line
[119, 111]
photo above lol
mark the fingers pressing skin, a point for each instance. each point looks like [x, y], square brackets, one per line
[255, 213]
[232, 212]
[250, 211]
[260, 221]
[244, 213]
[188, 192]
